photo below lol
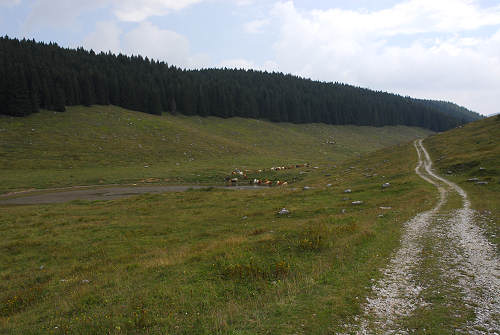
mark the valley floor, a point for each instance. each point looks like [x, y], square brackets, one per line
[444, 278]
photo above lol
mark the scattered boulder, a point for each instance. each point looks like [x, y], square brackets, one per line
[244, 218]
[386, 185]
[343, 211]
[385, 208]
[481, 183]
[329, 185]
[481, 169]
[307, 188]
[473, 180]
[348, 191]
[358, 202]
[85, 281]
[284, 211]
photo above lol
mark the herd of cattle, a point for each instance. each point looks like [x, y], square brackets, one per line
[238, 174]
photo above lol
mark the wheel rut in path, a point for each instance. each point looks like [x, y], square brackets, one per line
[467, 263]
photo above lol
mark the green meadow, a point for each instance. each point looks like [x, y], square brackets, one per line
[469, 155]
[107, 145]
[208, 261]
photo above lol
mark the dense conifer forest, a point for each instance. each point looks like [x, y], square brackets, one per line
[37, 75]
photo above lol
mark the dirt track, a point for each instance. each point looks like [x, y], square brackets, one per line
[104, 193]
[444, 254]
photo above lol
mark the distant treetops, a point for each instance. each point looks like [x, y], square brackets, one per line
[37, 75]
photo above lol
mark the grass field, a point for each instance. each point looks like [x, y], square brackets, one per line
[208, 261]
[204, 261]
[471, 152]
[106, 145]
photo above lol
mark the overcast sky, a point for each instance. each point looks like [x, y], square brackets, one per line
[439, 49]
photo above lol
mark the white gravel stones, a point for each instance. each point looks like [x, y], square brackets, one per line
[284, 211]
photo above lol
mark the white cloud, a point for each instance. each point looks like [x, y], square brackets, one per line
[105, 38]
[153, 42]
[391, 50]
[65, 12]
[137, 11]
[237, 64]
[256, 26]
[57, 13]
[9, 3]
[243, 2]
[146, 40]
[245, 64]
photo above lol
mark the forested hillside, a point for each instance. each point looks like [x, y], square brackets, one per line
[37, 75]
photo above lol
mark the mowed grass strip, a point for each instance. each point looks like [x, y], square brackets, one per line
[209, 261]
[107, 145]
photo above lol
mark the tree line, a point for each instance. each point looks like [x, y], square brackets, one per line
[38, 75]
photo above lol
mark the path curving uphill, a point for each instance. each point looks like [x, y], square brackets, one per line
[444, 263]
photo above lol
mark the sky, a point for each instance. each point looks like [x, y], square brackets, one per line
[434, 49]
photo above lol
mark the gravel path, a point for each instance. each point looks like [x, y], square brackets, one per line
[467, 261]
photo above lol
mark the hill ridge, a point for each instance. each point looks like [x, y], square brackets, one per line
[36, 75]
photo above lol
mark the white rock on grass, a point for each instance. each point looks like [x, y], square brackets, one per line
[348, 191]
[386, 185]
[284, 211]
[357, 202]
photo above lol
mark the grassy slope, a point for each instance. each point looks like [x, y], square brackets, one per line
[189, 263]
[473, 151]
[111, 145]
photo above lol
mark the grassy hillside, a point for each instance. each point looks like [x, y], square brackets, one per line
[470, 152]
[104, 145]
[210, 261]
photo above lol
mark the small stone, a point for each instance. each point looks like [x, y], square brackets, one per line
[85, 281]
[473, 179]
[244, 218]
[329, 185]
[307, 188]
[381, 215]
[348, 191]
[481, 183]
[41, 267]
[343, 211]
[482, 169]
[385, 208]
[284, 211]
[386, 185]
[358, 202]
